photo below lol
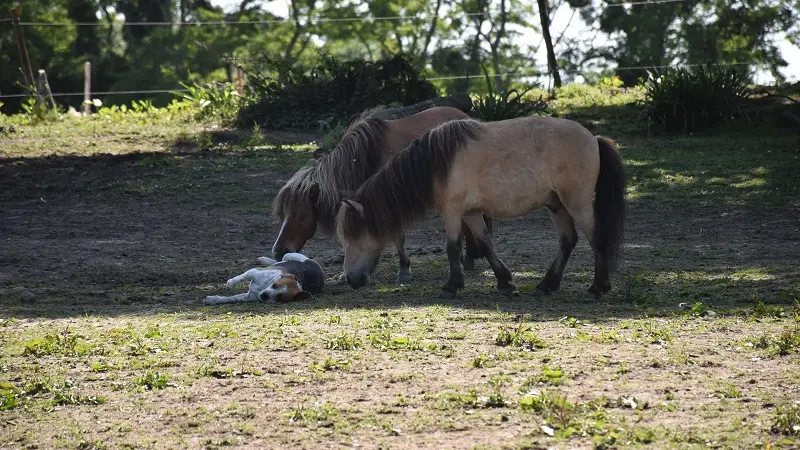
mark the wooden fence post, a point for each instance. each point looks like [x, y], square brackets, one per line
[43, 90]
[87, 88]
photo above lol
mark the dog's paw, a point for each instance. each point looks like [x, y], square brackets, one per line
[265, 261]
[211, 300]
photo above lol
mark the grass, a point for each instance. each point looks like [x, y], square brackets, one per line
[136, 218]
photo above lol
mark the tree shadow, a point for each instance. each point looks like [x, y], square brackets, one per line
[150, 233]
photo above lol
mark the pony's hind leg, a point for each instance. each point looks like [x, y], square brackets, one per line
[483, 238]
[584, 219]
[567, 239]
[404, 274]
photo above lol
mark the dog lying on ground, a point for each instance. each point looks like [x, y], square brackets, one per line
[296, 277]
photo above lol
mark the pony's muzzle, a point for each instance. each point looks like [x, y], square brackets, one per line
[279, 252]
[356, 281]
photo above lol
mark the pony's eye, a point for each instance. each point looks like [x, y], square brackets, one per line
[274, 285]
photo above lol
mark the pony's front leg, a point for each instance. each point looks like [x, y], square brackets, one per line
[454, 239]
[404, 274]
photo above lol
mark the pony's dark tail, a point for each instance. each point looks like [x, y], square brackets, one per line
[609, 206]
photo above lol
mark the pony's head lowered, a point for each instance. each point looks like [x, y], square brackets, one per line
[362, 250]
[296, 206]
[398, 195]
[312, 196]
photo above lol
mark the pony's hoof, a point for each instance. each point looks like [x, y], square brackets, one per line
[404, 277]
[508, 290]
[538, 292]
[595, 292]
[445, 294]
[468, 263]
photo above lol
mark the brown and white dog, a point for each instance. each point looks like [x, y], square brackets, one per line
[296, 277]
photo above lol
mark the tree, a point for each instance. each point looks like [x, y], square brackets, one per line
[552, 64]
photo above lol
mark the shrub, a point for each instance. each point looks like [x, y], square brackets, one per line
[217, 100]
[329, 93]
[505, 104]
[694, 99]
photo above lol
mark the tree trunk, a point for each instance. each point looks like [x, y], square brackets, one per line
[423, 54]
[552, 64]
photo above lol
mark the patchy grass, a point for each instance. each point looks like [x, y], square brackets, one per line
[128, 224]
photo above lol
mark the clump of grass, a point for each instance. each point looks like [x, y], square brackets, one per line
[383, 340]
[787, 420]
[483, 361]
[783, 344]
[9, 396]
[62, 394]
[65, 343]
[522, 336]
[342, 341]
[555, 408]
[316, 416]
[152, 380]
[331, 364]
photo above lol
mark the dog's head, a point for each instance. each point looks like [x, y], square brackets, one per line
[285, 289]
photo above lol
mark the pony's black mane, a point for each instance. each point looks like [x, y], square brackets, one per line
[343, 169]
[401, 192]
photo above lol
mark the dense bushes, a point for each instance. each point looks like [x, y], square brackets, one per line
[693, 99]
[329, 93]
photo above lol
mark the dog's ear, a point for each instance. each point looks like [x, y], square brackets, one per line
[303, 295]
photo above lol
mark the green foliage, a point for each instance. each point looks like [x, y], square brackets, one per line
[212, 100]
[696, 98]
[342, 341]
[323, 415]
[787, 420]
[152, 380]
[65, 343]
[332, 91]
[607, 92]
[333, 136]
[505, 104]
[9, 396]
[521, 336]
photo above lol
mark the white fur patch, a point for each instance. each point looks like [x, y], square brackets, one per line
[295, 257]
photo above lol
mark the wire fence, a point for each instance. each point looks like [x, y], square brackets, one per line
[534, 72]
[540, 71]
[282, 20]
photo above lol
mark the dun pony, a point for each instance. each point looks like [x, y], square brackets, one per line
[506, 169]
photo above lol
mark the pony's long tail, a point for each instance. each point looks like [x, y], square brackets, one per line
[609, 206]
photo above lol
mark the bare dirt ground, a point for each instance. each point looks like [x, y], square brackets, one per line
[106, 255]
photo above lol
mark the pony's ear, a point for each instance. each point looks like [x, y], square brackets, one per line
[313, 192]
[303, 295]
[358, 207]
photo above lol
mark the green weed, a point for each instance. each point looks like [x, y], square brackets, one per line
[522, 336]
[342, 341]
[787, 420]
[152, 380]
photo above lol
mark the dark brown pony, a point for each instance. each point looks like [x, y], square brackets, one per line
[504, 169]
[312, 196]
